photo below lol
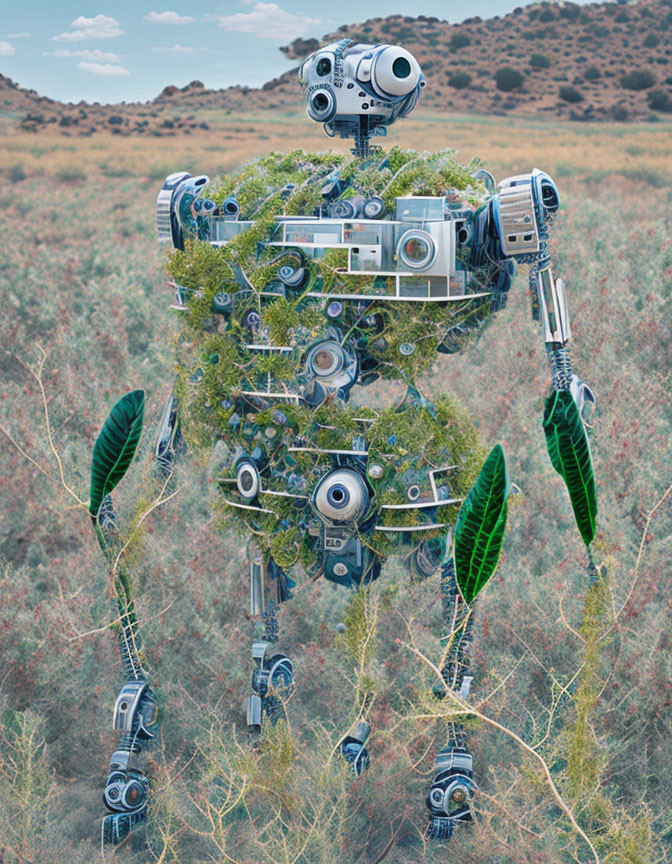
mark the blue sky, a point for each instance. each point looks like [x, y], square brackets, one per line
[130, 49]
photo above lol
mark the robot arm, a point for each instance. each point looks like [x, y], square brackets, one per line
[523, 211]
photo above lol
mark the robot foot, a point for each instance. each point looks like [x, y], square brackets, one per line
[353, 750]
[451, 792]
[440, 828]
[117, 826]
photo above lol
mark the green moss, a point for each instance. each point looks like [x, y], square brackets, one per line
[216, 366]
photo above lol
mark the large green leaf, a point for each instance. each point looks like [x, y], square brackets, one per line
[115, 447]
[479, 531]
[569, 450]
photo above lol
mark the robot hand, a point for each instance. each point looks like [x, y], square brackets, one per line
[585, 400]
[449, 798]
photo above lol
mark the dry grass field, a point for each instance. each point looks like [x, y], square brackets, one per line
[572, 741]
[588, 151]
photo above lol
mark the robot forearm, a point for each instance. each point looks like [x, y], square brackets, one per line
[552, 304]
[551, 311]
[523, 211]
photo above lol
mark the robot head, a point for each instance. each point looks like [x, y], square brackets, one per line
[357, 90]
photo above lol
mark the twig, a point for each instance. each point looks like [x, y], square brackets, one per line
[468, 710]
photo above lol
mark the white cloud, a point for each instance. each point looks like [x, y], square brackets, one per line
[6, 50]
[174, 49]
[18, 35]
[86, 54]
[100, 27]
[105, 69]
[168, 18]
[267, 21]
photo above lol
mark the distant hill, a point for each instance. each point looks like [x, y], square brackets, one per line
[598, 61]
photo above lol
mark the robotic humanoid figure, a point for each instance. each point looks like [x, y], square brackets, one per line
[302, 291]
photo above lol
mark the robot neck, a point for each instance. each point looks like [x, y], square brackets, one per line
[362, 134]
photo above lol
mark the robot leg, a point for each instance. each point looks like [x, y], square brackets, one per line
[273, 673]
[454, 786]
[126, 788]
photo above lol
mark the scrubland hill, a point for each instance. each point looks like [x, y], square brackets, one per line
[599, 61]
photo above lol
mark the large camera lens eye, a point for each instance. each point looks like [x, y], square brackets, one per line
[401, 67]
[395, 72]
[323, 66]
[342, 496]
[323, 360]
[416, 250]
[338, 496]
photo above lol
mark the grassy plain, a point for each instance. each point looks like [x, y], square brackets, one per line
[588, 693]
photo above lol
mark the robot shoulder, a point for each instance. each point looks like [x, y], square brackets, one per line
[522, 208]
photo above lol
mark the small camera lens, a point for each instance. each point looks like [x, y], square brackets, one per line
[459, 794]
[321, 102]
[323, 67]
[338, 496]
